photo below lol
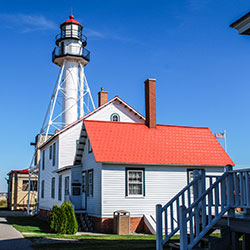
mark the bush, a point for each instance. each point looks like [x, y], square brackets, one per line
[63, 220]
[70, 219]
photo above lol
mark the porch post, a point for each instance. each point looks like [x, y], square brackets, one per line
[230, 198]
[159, 227]
[183, 228]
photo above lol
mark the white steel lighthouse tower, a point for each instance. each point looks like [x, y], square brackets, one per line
[71, 97]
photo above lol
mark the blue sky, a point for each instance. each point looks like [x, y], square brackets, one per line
[201, 65]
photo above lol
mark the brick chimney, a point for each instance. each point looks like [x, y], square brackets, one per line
[150, 103]
[102, 97]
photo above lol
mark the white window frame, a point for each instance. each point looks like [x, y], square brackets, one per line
[128, 171]
[54, 154]
[43, 159]
[60, 187]
[90, 183]
[42, 191]
[53, 187]
[115, 115]
[66, 185]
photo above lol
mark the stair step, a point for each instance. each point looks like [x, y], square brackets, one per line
[174, 246]
[209, 238]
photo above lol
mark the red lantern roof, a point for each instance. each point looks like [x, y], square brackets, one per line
[71, 20]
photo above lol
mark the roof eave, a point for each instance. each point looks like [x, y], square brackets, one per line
[159, 164]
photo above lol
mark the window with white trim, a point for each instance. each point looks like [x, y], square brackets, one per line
[83, 182]
[43, 159]
[90, 183]
[60, 188]
[50, 152]
[42, 193]
[53, 183]
[54, 154]
[66, 185]
[89, 147]
[135, 182]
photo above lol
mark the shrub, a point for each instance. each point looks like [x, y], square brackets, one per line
[55, 219]
[70, 219]
[63, 220]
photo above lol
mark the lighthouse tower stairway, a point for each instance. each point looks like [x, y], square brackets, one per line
[205, 206]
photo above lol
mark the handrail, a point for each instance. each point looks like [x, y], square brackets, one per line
[82, 52]
[239, 170]
[199, 215]
[206, 192]
[229, 191]
[170, 210]
[180, 193]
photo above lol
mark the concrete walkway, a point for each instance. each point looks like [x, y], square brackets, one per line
[10, 238]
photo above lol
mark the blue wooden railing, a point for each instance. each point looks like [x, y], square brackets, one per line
[213, 197]
[170, 212]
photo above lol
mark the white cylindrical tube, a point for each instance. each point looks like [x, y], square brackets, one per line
[70, 90]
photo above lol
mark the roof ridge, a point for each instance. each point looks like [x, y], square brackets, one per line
[143, 124]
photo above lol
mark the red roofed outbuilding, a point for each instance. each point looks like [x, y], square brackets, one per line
[18, 186]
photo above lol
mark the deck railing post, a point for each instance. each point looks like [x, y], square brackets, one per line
[230, 189]
[159, 245]
[183, 228]
[196, 175]
[202, 181]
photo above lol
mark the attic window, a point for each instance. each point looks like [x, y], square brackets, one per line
[115, 117]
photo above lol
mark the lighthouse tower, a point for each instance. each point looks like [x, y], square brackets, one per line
[71, 97]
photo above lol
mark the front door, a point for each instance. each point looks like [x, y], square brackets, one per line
[84, 200]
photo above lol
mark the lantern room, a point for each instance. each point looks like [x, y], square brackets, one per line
[71, 43]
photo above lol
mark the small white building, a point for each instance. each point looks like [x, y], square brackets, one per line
[115, 159]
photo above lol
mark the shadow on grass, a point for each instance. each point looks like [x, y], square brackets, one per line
[94, 244]
[28, 224]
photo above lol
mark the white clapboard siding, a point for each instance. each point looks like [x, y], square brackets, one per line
[88, 163]
[161, 184]
[47, 174]
[67, 145]
[115, 107]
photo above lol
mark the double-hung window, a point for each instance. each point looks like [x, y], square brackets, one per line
[42, 193]
[25, 186]
[53, 180]
[135, 182]
[54, 154]
[66, 185]
[43, 160]
[60, 188]
[89, 147]
[50, 152]
[90, 183]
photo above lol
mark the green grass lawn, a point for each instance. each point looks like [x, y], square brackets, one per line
[28, 224]
[52, 241]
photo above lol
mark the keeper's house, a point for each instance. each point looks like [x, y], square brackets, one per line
[115, 159]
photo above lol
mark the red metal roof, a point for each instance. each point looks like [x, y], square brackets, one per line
[24, 171]
[71, 20]
[136, 143]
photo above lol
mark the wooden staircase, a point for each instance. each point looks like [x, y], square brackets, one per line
[84, 222]
[199, 209]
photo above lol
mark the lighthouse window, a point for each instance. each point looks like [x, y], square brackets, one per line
[115, 117]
